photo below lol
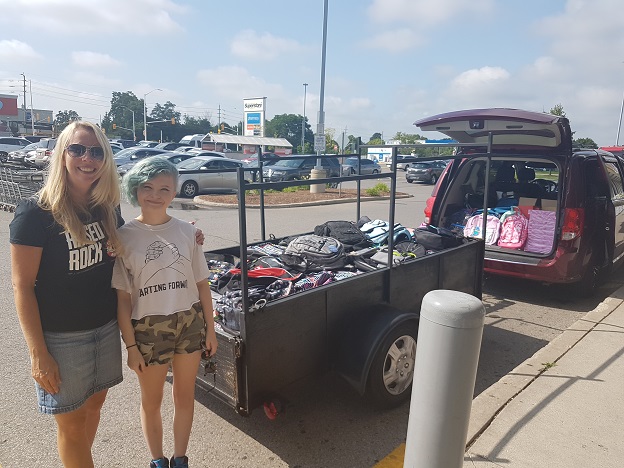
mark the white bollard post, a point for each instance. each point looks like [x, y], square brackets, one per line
[447, 355]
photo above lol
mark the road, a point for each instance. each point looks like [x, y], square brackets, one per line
[326, 423]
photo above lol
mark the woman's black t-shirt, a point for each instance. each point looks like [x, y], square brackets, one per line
[73, 286]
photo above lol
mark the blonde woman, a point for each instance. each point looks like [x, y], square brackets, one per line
[63, 244]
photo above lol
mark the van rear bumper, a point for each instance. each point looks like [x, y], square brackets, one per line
[562, 267]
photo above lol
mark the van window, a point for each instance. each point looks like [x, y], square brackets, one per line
[615, 181]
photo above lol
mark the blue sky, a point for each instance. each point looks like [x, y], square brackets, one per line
[389, 62]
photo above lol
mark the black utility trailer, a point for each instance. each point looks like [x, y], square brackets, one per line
[364, 327]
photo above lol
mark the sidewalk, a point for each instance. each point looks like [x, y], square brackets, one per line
[562, 408]
[570, 415]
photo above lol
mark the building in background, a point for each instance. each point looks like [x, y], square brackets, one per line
[19, 121]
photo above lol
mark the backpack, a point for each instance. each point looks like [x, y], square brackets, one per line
[314, 253]
[378, 232]
[514, 230]
[346, 232]
[492, 230]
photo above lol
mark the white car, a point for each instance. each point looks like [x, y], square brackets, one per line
[8, 144]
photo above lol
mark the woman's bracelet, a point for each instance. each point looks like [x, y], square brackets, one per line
[128, 347]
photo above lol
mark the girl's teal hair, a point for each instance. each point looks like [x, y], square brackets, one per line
[143, 171]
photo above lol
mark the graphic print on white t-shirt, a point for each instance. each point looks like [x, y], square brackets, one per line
[161, 256]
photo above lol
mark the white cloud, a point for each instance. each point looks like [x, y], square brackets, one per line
[234, 82]
[394, 41]
[71, 17]
[93, 60]
[249, 44]
[17, 50]
[480, 79]
[424, 12]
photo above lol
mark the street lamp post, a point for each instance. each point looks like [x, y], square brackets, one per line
[133, 125]
[145, 112]
[305, 88]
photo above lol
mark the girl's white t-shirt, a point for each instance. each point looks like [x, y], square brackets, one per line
[160, 267]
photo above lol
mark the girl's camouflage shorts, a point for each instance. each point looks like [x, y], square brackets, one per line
[160, 337]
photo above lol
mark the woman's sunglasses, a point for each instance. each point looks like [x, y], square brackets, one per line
[77, 150]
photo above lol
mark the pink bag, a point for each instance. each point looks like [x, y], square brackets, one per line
[474, 225]
[514, 230]
[541, 231]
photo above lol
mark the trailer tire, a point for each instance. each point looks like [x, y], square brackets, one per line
[391, 373]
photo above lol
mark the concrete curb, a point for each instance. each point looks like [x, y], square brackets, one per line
[489, 403]
[197, 200]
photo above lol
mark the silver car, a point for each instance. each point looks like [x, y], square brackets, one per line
[205, 173]
[367, 166]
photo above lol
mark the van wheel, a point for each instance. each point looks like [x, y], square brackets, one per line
[391, 373]
[189, 189]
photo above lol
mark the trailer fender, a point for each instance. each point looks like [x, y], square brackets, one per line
[361, 342]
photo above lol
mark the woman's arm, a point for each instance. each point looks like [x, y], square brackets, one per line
[25, 261]
[124, 319]
[205, 297]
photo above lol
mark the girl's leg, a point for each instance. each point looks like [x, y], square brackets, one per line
[152, 381]
[184, 373]
[76, 432]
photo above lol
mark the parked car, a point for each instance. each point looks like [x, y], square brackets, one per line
[135, 153]
[424, 171]
[193, 140]
[17, 156]
[147, 143]
[123, 143]
[43, 153]
[171, 156]
[204, 173]
[267, 159]
[8, 144]
[367, 166]
[405, 161]
[573, 198]
[184, 149]
[35, 138]
[200, 152]
[292, 169]
[169, 145]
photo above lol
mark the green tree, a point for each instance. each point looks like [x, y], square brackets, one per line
[375, 139]
[64, 118]
[287, 126]
[584, 143]
[558, 110]
[123, 104]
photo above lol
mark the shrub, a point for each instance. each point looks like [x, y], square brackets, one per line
[377, 190]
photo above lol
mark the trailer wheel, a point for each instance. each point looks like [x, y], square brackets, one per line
[392, 370]
[273, 408]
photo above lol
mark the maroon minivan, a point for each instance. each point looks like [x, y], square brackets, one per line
[568, 202]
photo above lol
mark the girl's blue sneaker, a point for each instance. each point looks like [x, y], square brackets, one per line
[160, 463]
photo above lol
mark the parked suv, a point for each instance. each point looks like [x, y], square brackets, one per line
[578, 194]
[300, 168]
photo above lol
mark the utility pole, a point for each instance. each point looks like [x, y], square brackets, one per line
[24, 102]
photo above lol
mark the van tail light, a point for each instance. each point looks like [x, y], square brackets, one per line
[572, 223]
[429, 209]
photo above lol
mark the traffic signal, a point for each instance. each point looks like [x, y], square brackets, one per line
[172, 120]
[114, 126]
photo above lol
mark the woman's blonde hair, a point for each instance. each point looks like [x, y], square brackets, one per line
[104, 194]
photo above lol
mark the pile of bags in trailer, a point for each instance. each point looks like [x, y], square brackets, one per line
[337, 250]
